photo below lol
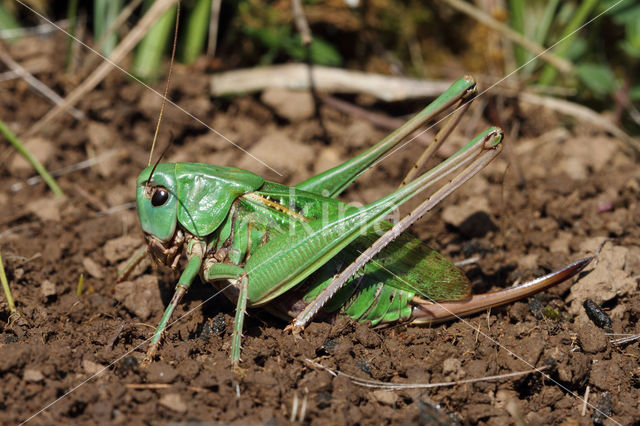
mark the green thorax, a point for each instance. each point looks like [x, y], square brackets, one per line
[277, 209]
[200, 197]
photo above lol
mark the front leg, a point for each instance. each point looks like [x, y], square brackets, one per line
[196, 252]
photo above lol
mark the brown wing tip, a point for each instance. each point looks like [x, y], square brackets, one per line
[575, 267]
[560, 275]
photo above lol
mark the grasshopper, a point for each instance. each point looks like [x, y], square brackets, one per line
[264, 244]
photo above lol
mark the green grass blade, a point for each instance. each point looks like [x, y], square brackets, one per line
[112, 14]
[72, 17]
[148, 57]
[8, 22]
[13, 139]
[105, 13]
[99, 11]
[80, 285]
[196, 31]
[542, 32]
[549, 73]
[516, 8]
[5, 287]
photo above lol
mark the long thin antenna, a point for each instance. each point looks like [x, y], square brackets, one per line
[148, 184]
[166, 89]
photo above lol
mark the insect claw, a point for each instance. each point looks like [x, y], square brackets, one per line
[174, 265]
[294, 329]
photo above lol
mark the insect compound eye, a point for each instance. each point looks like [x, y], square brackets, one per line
[159, 197]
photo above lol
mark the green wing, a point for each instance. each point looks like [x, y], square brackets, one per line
[409, 264]
[406, 264]
[383, 289]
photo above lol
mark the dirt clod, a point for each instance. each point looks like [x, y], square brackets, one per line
[574, 369]
[592, 339]
[161, 372]
[608, 279]
[606, 375]
[452, 369]
[141, 297]
[279, 151]
[120, 248]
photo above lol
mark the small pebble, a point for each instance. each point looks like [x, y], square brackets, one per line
[214, 326]
[129, 363]
[92, 268]
[48, 289]
[92, 368]
[536, 307]
[328, 346]
[173, 401]
[140, 297]
[43, 150]
[47, 208]
[603, 409]
[364, 366]
[385, 397]
[120, 248]
[31, 375]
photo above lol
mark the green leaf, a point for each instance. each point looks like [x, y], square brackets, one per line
[320, 52]
[630, 49]
[634, 93]
[567, 10]
[622, 12]
[632, 32]
[579, 47]
[597, 77]
[323, 53]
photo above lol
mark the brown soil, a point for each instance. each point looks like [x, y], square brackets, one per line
[580, 187]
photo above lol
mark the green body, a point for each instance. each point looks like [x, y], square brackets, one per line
[280, 247]
[209, 204]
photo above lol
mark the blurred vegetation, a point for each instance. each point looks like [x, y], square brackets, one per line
[403, 37]
[606, 53]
